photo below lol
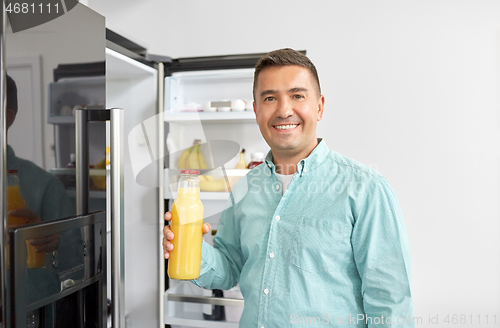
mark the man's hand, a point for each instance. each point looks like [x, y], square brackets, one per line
[44, 244]
[168, 235]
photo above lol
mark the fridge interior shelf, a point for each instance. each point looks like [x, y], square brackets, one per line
[183, 306]
[204, 195]
[231, 176]
[216, 172]
[195, 319]
[210, 117]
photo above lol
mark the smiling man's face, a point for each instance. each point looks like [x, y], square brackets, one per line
[287, 106]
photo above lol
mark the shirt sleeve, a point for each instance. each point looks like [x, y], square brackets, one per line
[221, 264]
[382, 256]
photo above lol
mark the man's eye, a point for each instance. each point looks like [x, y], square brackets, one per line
[269, 99]
[298, 96]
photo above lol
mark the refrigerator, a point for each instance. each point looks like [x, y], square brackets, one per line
[54, 258]
[126, 115]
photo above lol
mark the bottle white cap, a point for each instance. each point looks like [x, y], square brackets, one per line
[72, 157]
[257, 156]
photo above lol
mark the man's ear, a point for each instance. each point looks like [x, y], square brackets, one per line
[321, 106]
[255, 111]
[11, 116]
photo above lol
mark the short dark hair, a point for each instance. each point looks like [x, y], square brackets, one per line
[11, 94]
[284, 57]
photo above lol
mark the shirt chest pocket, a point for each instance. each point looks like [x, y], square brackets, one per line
[316, 244]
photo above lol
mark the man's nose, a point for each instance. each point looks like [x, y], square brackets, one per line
[285, 108]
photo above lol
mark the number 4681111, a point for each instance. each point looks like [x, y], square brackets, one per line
[27, 8]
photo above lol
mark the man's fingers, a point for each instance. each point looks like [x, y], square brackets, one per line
[166, 231]
[168, 216]
[46, 244]
[26, 213]
[206, 228]
[167, 247]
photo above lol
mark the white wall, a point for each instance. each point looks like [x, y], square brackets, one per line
[411, 88]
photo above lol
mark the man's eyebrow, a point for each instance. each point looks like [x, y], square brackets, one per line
[268, 92]
[298, 89]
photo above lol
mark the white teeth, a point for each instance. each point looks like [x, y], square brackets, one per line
[285, 127]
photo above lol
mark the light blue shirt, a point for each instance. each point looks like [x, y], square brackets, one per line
[43, 193]
[331, 251]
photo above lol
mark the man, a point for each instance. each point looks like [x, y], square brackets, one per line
[319, 238]
[46, 200]
[45, 196]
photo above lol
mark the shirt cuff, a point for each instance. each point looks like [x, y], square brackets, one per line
[206, 250]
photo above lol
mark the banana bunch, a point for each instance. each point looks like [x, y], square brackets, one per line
[192, 158]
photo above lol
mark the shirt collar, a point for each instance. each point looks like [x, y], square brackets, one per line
[315, 158]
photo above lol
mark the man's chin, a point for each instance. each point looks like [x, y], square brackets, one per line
[288, 149]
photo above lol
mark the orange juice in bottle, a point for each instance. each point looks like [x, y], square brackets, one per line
[16, 202]
[14, 199]
[187, 226]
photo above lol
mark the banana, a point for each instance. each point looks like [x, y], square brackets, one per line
[182, 164]
[203, 165]
[241, 164]
[215, 185]
[193, 162]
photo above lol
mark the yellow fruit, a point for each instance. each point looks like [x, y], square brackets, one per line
[241, 164]
[203, 165]
[216, 185]
[182, 164]
[192, 160]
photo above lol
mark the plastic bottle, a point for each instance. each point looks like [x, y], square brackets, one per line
[257, 159]
[186, 224]
[14, 199]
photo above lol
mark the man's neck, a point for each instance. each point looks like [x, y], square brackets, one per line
[287, 165]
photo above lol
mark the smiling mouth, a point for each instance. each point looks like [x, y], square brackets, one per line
[285, 127]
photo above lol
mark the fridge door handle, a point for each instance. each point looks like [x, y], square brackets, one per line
[117, 223]
[115, 193]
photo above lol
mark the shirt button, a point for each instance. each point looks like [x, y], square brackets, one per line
[266, 291]
[269, 165]
[277, 218]
[277, 186]
[305, 170]
[271, 255]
